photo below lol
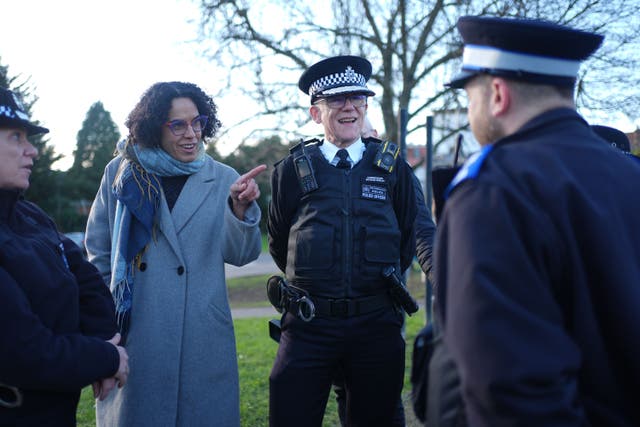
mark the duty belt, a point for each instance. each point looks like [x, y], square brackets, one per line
[345, 307]
[287, 297]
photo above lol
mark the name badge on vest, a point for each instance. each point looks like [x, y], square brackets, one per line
[374, 188]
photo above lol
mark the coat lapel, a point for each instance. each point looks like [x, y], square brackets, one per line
[193, 195]
[167, 228]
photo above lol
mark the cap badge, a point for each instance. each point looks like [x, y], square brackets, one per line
[350, 75]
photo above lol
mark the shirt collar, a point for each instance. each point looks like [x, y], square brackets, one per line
[355, 150]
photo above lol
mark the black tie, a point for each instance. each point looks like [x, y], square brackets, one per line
[343, 163]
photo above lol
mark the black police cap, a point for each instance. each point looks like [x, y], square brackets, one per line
[613, 136]
[531, 50]
[336, 75]
[13, 114]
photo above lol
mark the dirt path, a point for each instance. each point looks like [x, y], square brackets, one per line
[263, 265]
[240, 313]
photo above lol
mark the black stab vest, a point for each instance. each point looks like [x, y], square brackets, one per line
[346, 231]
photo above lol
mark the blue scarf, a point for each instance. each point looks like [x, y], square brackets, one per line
[138, 192]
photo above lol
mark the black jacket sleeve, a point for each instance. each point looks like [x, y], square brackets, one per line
[33, 357]
[97, 310]
[425, 231]
[285, 196]
[404, 205]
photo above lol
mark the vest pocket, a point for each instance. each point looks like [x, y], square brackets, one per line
[380, 247]
[313, 250]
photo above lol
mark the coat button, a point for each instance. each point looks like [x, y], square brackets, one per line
[180, 271]
[143, 266]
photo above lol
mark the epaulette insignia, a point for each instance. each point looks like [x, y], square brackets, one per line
[470, 169]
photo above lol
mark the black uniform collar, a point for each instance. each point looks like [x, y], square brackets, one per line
[542, 120]
[8, 199]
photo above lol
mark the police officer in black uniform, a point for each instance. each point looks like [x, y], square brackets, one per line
[536, 254]
[341, 213]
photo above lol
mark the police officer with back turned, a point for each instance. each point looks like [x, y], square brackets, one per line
[537, 253]
[341, 214]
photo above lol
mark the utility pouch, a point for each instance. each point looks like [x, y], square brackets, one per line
[275, 293]
[275, 329]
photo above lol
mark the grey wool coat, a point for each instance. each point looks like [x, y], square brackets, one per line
[181, 344]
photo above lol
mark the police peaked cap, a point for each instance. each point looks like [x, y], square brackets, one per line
[613, 136]
[13, 114]
[336, 75]
[535, 51]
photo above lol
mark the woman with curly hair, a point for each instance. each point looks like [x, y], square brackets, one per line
[165, 220]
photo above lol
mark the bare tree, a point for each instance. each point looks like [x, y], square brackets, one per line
[412, 45]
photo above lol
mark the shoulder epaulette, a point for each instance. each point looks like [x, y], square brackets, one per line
[633, 157]
[470, 169]
[302, 144]
[369, 139]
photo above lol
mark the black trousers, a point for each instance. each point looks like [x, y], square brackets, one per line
[341, 399]
[370, 351]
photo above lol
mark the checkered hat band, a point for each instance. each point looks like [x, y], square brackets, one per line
[347, 78]
[484, 57]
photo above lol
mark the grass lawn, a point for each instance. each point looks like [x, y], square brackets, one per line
[256, 352]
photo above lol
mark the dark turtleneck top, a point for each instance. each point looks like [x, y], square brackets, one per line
[172, 186]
